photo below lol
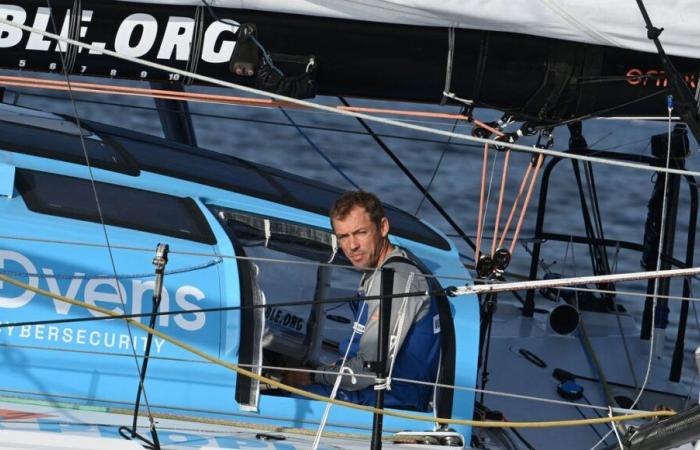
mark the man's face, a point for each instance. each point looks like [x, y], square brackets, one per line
[362, 241]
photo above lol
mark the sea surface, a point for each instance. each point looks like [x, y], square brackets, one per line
[335, 149]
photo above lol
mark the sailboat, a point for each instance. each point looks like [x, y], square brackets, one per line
[227, 270]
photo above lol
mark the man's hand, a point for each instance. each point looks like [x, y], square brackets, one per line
[298, 378]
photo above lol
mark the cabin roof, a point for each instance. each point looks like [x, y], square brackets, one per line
[129, 152]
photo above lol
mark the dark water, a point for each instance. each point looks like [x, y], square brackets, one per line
[267, 136]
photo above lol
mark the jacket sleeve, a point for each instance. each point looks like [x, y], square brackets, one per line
[407, 278]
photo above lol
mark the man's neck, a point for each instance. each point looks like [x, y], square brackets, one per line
[386, 251]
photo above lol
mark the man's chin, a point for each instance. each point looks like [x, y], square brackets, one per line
[360, 263]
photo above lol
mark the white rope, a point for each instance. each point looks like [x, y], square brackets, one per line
[448, 64]
[394, 346]
[597, 444]
[662, 233]
[614, 428]
[336, 385]
[573, 281]
[313, 371]
[307, 104]
[394, 341]
[342, 370]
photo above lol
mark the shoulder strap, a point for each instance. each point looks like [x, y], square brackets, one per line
[443, 396]
[401, 259]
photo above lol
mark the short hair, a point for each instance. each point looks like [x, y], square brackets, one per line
[346, 202]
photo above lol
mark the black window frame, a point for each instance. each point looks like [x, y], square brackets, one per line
[125, 163]
[202, 232]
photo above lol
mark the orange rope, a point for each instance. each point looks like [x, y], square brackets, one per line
[134, 91]
[482, 193]
[504, 177]
[526, 202]
[481, 124]
[399, 112]
[515, 205]
[98, 88]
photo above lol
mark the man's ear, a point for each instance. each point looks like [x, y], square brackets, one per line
[384, 227]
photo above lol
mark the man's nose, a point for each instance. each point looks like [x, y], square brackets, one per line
[354, 242]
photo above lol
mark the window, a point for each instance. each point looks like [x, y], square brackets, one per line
[286, 263]
[121, 206]
[298, 310]
[237, 175]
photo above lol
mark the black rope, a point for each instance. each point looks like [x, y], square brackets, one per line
[414, 180]
[590, 115]
[437, 166]
[263, 51]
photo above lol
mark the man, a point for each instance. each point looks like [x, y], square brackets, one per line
[362, 229]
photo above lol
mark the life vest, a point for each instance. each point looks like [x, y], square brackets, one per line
[417, 359]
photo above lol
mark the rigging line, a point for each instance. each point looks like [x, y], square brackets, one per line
[488, 189]
[214, 255]
[573, 281]
[588, 347]
[309, 395]
[437, 167]
[330, 300]
[501, 194]
[623, 337]
[600, 112]
[98, 205]
[411, 177]
[261, 121]
[693, 300]
[626, 144]
[339, 378]
[617, 434]
[594, 144]
[695, 312]
[206, 79]
[597, 218]
[506, 228]
[79, 275]
[590, 406]
[662, 233]
[233, 23]
[400, 112]
[318, 150]
[580, 413]
[294, 369]
[526, 202]
[200, 97]
[482, 193]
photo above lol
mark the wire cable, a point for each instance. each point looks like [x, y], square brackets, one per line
[386, 121]
[319, 151]
[303, 393]
[662, 233]
[101, 216]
